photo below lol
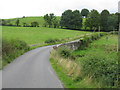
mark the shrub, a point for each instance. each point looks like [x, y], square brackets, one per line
[34, 24]
[12, 49]
[101, 68]
[64, 51]
[52, 41]
[9, 24]
[24, 24]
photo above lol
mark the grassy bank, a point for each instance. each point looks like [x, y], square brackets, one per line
[92, 67]
[11, 50]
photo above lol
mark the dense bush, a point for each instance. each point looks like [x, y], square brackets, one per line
[101, 68]
[34, 24]
[12, 49]
[64, 51]
[52, 41]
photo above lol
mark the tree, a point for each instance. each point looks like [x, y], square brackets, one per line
[49, 19]
[93, 20]
[23, 17]
[85, 12]
[24, 24]
[76, 20]
[118, 20]
[55, 22]
[66, 18]
[46, 18]
[17, 22]
[0, 22]
[112, 22]
[71, 19]
[3, 22]
[104, 20]
[34, 24]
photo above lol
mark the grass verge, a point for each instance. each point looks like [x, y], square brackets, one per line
[12, 49]
[92, 67]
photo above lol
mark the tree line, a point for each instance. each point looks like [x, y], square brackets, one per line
[87, 20]
[84, 20]
[90, 20]
[17, 23]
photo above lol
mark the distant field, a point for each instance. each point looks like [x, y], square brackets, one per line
[39, 19]
[106, 45]
[28, 20]
[34, 35]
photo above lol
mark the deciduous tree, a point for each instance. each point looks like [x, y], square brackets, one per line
[93, 20]
[104, 20]
[71, 19]
[85, 12]
[17, 22]
[50, 20]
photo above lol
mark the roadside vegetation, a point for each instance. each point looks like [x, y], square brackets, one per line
[18, 40]
[94, 66]
[11, 49]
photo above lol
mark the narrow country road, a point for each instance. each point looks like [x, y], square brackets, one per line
[31, 70]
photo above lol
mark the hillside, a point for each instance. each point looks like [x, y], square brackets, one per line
[28, 20]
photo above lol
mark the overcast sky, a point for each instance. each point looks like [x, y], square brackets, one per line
[19, 8]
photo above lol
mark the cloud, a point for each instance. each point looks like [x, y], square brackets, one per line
[19, 8]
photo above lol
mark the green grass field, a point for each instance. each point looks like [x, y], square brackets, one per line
[28, 20]
[38, 19]
[106, 45]
[35, 35]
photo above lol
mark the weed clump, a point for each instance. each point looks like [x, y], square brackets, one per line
[64, 51]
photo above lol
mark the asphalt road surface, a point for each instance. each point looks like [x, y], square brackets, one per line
[31, 70]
